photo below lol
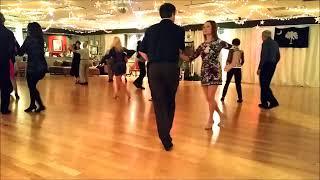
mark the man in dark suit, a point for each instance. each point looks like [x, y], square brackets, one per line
[270, 56]
[6, 51]
[142, 67]
[162, 45]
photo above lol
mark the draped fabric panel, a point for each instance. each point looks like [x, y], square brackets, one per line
[297, 66]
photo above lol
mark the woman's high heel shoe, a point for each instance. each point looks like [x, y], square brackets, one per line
[41, 108]
[30, 109]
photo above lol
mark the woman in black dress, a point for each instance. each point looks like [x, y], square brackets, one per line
[118, 57]
[75, 62]
[37, 66]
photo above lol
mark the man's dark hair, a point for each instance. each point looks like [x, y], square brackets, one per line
[35, 31]
[167, 10]
[78, 42]
[236, 42]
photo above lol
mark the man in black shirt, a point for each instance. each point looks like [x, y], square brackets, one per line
[6, 51]
[142, 67]
[162, 46]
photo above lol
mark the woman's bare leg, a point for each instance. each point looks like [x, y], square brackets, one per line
[211, 92]
[126, 89]
[15, 87]
[116, 86]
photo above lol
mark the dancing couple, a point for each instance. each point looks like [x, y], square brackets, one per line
[162, 46]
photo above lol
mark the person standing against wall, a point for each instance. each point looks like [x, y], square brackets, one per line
[85, 63]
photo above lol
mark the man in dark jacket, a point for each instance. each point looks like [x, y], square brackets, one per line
[161, 47]
[142, 67]
[6, 49]
[270, 56]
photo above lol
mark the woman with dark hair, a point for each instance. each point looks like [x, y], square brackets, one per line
[211, 72]
[37, 66]
[233, 67]
[75, 61]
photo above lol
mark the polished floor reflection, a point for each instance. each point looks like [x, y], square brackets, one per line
[85, 134]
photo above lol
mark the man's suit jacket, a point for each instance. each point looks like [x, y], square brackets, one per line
[7, 45]
[270, 52]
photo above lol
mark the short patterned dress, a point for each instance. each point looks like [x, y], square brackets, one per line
[211, 72]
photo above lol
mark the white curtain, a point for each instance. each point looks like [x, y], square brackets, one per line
[297, 66]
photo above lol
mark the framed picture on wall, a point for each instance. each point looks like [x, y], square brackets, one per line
[57, 45]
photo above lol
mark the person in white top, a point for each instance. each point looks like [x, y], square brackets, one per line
[85, 63]
[234, 64]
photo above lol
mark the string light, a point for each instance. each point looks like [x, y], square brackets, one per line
[113, 10]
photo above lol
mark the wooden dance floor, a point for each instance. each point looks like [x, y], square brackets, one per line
[86, 134]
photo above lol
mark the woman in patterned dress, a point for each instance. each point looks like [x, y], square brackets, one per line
[211, 72]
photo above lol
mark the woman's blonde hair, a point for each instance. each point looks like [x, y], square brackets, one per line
[116, 44]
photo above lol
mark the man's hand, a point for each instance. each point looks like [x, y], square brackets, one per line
[144, 55]
[184, 57]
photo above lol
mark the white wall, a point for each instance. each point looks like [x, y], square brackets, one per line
[297, 66]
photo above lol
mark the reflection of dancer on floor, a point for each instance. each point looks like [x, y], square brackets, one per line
[118, 56]
[211, 72]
